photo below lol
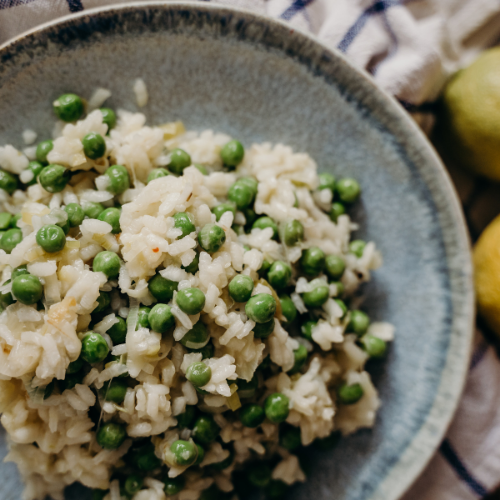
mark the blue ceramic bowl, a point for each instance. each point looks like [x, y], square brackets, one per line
[259, 80]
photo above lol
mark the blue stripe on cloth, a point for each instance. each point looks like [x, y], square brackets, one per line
[458, 466]
[75, 5]
[354, 30]
[295, 8]
[5, 4]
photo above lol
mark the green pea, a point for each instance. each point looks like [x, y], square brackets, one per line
[161, 288]
[108, 263]
[190, 300]
[221, 209]
[296, 202]
[265, 222]
[108, 117]
[156, 173]
[161, 318]
[300, 356]
[51, 238]
[328, 443]
[143, 317]
[112, 217]
[43, 149]
[199, 374]
[211, 237]
[263, 330]
[247, 389]
[18, 271]
[312, 261]
[185, 452]
[206, 351]
[326, 181]
[279, 275]
[259, 474]
[241, 195]
[251, 183]
[205, 430]
[68, 107]
[94, 146]
[64, 226]
[185, 420]
[232, 153]
[342, 306]
[94, 348]
[357, 247]
[201, 454]
[118, 332]
[317, 296]
[276, 407]
[276, 490]
[252, 415]
[224, 464]
[36, 167]
[6, 299]
[240, 288]
[197, 337]
[103, 302]
[201, 168]
[250, 218]
[358, 323]
[340, 287]
[193, 267]
[99, 494]
[92, 209]
[75, 366]
[307, 328]
[290, 437]
[54, 178]
[144, 457]
[27, 289]
[264, 268]
[133, 484]
[75, 214]
[14, 220]
[179, 160]
[350, 394]
[119, 180]
[8, 182]
[348, 190]
[261, 307]
[337, 210]
[111, 436]
[5, 219]
[334, 267]
[288, 308]
[115, 391]
[293, 232]
[185, 222]
[173, 485]
[71, 380]
[373, 346]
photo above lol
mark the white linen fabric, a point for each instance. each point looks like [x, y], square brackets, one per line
[409, 47]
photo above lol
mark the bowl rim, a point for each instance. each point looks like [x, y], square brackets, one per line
[426, 441]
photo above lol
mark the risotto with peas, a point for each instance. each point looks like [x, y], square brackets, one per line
[180, 314]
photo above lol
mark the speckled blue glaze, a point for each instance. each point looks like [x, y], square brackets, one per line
[261, 81]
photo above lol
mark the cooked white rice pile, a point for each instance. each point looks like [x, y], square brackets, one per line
[53, 435]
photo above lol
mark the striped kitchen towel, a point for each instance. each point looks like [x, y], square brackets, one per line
[409, 47]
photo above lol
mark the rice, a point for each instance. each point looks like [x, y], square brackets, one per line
[55, 400]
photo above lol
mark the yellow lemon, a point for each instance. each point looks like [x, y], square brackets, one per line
[468, 123]
[487, 275]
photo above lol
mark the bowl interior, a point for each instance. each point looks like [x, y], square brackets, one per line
[256, 80]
